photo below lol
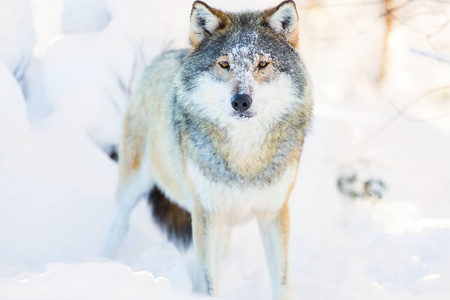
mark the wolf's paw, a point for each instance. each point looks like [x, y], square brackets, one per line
[362, 180]
[284, 294]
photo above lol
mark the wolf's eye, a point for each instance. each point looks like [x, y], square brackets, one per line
[224, 64]
[262, 64]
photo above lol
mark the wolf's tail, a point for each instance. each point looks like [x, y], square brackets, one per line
[171, 218]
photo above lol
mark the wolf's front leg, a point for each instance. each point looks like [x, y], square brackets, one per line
[275, 235]
[208, 229]
[127, 197]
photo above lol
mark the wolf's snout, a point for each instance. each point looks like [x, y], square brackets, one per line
[241, 102]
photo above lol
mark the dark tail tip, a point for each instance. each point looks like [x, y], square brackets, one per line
[171, 218]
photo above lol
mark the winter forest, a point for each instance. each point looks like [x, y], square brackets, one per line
[370, 212]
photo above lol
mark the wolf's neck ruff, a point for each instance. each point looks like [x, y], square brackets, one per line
[249, 154]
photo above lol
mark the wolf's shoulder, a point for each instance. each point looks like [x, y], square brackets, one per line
[168, 58]
[162, 68]
[174, 56]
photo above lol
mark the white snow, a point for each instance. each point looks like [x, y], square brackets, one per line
[89, 281]
[88, 76]
[80, 16]
[57, 184]
[17, 35]
[14, 125]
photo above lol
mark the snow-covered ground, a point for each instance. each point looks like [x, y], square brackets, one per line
[57, 181]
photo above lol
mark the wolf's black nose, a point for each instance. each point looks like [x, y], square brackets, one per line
[241, 102]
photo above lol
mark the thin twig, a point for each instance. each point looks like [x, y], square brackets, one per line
[441, 1]
[404, 23]
[339, 5]
[401, 112]
[435, 118]
[435, 55]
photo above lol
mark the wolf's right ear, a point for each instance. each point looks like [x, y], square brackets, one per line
[205, 20]
[283, 19]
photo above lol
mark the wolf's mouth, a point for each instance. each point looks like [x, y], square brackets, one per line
[243, 115]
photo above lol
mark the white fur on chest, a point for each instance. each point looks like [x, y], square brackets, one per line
[240, 200]
[246, 139]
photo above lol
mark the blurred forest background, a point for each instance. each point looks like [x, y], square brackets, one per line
[371, 53]
[370, 211]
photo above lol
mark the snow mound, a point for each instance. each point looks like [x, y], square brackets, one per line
[96, 89]
[104, 64]
[14, 125]
[41, 191]
[81, 16]
[17, 36]
[163, 23]
[88, 281]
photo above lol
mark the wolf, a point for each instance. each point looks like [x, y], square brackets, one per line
[215, 133]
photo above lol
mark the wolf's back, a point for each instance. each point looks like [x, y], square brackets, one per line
[156, 90]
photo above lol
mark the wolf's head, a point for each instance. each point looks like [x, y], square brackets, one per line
[243, 66]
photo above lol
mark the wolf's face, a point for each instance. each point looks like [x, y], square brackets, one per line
[243, 67]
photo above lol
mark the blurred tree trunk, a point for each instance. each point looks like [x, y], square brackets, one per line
[385, 55]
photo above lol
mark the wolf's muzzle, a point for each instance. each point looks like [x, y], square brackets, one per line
[241, 102]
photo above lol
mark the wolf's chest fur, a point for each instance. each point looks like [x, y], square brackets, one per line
[245, 154]
[242, 168]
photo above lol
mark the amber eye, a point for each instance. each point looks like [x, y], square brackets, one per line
[224, 64]
[262, 64]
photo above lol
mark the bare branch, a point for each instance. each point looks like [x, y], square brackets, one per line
[358, 32]
[389, 10]
[404, 23]
[441, 1]
[435, 118]
[389, 27]
[435, 55]
[401, 111]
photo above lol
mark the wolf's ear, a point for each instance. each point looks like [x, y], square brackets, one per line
[205, 20]
[283, 19]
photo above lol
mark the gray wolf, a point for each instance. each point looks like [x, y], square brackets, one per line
[215, 132]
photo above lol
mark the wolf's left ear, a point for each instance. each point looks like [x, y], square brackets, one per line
[283, 19]
[205, 20]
